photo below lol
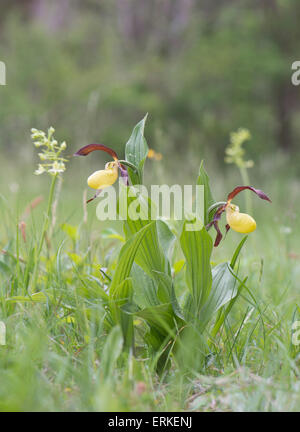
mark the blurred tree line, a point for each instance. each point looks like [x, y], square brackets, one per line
[201, 68]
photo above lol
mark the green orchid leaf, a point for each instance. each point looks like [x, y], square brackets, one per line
[224, 289]
[197, 249]
[203, 179]
[111, 351]
[136, 151]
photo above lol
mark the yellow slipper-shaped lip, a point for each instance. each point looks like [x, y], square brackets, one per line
[104, 178]
[239, 222]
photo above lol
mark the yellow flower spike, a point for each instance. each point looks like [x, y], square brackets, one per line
[104, 178]
[239, 222]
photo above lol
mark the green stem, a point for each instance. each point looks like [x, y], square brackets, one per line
[43, 233]
[246, 182]
[18, 254]
[48, 215]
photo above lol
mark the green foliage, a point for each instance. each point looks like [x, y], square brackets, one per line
[203, 180]
[142, 285]
[108, 328]
[197, 248]
[136, 151]
[150, 319]
[111, 351]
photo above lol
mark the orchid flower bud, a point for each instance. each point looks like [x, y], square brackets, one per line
[239, 222]
[104, 178]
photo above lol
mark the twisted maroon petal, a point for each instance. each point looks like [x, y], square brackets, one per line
[84, 151]
[215, 223]
[208, 226]
[219, 234]
[239, 189]
[124, 174]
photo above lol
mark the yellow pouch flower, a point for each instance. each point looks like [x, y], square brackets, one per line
[239, 222]
[104, 178]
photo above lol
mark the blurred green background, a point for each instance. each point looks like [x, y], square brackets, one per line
[202, 69]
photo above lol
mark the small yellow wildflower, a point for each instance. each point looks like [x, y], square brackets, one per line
[235, 152]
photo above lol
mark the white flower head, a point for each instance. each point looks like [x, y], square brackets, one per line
[40, 170]
[50, 155]
[57, 167]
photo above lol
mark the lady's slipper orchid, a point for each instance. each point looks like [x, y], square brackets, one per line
[107, 177]
[239, 222]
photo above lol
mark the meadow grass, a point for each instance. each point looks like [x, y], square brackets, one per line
[58, 356]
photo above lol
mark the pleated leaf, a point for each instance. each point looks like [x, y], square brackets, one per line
[203, 179]
[136, 151]
[224, 288]
[197, 248]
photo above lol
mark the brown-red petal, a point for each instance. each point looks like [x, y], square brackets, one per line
[84, 151]
[239, 189]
